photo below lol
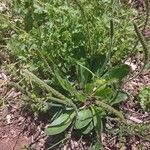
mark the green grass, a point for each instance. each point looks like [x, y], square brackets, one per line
[70, 56]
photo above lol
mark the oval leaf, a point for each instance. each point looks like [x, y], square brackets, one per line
[84, 118]
[119, 72]
[59, 128]
[121, 96]
[88, 128]
[105, 92]
[97, 61]
[64, 116]
[53, 130]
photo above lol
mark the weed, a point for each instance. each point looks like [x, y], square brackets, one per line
[144, 98]
[69, 51]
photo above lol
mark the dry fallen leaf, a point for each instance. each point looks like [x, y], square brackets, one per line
[134, 119]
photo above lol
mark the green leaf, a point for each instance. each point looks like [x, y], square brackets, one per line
[66, 85]
[119, 72]
[121, 96]
[53, 130]
[28, 19]
[61, 119]
[79, 52]
[80, 96]
[88, 128]
[97, 62]
[89, 88]
[83, 72]
[98, 120]
[105, 92]
[58, 125]
[84, 118]
[96, 146]
[94, 116]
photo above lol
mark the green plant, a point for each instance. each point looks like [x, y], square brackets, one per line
[144, 98]
[126, 132]
[84, 108]
[59, 29]
[74, 48]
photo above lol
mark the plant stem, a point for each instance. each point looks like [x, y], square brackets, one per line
[49, 89]
[22, 90]
[45, 61]
[87, 29]
[111, 109]
[147, 13]
[42, 84]
[147, 4]
[145, 50]
[58, 142]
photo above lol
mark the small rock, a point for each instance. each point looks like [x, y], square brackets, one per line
[8, 119]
